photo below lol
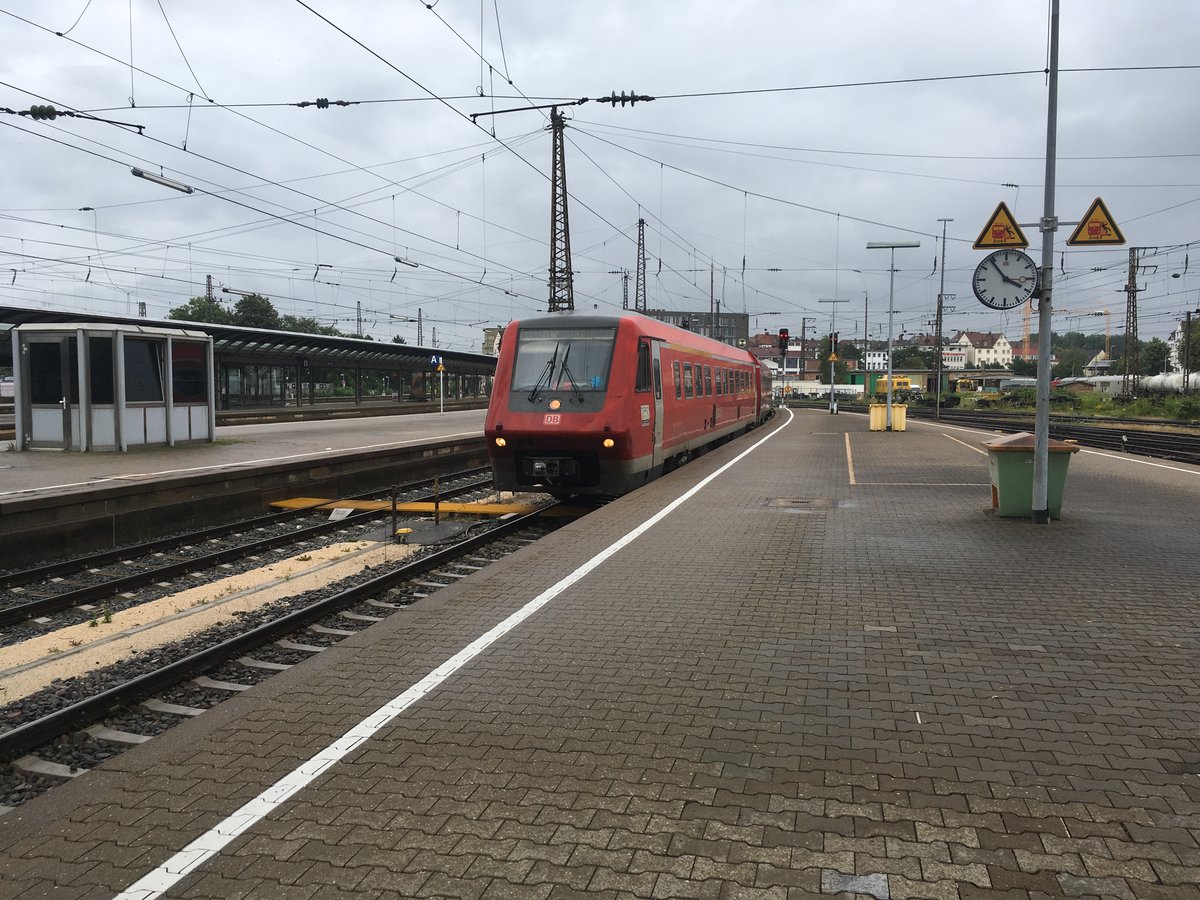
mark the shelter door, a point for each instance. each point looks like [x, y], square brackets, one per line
[50, 394]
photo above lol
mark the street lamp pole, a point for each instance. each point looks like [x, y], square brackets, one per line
[892, 246]
[832, 351]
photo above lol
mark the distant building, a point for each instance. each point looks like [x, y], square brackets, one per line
[983, 348]
[1099, 364]
[728, 327]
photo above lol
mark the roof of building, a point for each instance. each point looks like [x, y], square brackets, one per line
[980, 340]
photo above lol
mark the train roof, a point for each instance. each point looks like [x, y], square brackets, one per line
[648, 324]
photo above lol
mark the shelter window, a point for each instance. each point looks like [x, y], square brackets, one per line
[143, 371]
[45, 372]
[100, 349]
[189, 379]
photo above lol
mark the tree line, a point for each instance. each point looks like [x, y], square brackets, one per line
[256, 311]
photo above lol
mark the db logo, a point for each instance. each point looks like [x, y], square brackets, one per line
[552, 419]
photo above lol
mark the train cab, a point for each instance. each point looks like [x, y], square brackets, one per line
[593, 404]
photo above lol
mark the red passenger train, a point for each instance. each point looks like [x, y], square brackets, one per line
[593, 404]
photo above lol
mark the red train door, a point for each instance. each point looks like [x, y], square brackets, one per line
[656, 366]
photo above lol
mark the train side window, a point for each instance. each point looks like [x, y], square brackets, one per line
[643, 367]
[720, 381]
[708, 381]
[678, 379]
[657, 381]
[687, 380]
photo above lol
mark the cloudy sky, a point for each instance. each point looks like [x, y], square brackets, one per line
[786, 134]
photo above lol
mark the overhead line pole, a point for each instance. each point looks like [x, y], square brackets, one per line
[562, 291]
[937, 413]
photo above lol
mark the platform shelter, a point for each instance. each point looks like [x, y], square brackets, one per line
[105, 386]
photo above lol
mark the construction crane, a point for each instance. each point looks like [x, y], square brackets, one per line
[1080, 314]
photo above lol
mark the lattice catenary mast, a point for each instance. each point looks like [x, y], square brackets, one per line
[639, 297]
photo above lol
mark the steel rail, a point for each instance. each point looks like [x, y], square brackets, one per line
[51, 570]
[45, 605]
[28, 735]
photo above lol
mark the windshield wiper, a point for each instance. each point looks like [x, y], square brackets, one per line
[564, 372]
[547, 374]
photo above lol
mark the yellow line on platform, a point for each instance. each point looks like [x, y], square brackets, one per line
[850, 459]
[473, 509]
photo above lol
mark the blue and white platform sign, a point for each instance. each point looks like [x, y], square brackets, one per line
[435, 360]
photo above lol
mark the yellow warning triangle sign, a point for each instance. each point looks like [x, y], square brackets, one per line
[1097, 227]
[1001, 230]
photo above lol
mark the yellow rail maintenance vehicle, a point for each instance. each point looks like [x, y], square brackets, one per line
[902, 388]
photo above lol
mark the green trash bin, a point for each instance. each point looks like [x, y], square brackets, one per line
[1010, 466]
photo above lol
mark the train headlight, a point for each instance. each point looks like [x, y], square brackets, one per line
[609, 443]
[500, 442]
[555, 404]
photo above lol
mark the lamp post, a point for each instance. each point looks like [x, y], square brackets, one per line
[832, 350]
[892, 246]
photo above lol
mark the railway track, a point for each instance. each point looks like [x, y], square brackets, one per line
[1120, 437]
[85, 583]
[1143, 437]
[63, 730]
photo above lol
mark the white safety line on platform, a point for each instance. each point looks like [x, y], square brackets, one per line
[850, 459]
[213, 841]
[235, 465]
[965, 444]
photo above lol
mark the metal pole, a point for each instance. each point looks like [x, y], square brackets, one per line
[891, 297]
[832, 354]
[1041, 438]
[866, 340]
[937, 414]
[833, 351]
[1187, 352]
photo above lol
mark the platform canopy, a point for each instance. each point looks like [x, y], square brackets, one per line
[232, 343]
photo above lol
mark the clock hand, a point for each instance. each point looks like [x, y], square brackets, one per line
[1004, 277]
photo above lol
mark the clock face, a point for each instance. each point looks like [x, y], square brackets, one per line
[1005, 279]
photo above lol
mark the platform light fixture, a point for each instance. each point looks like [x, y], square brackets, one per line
[165, 182]
[893, 246]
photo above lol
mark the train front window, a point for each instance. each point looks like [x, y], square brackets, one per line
[563, 359]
